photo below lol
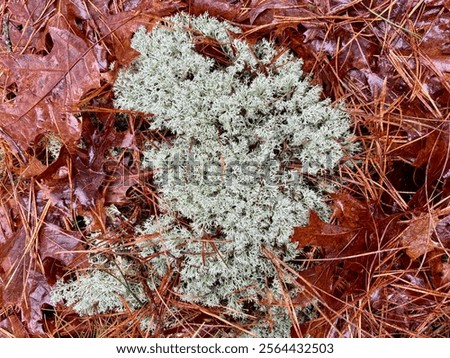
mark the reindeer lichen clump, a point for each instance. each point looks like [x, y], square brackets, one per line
[249, 145]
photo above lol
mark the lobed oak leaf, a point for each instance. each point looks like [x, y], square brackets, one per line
[48, 90]
[79, 174]
[347, 247]
[116, 28]
[319, 233]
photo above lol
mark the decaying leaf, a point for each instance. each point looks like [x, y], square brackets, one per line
[23, 248]
[221, 8]
[345, 249]
[416, 238]
[49, 87]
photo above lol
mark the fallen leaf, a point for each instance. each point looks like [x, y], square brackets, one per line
[26, 32]
[58, 244]
[268, 12]
[14, 326]
[49, 88]
[117, 29]
[23, 281]
[416, 238]
[318, 233]
[21, 285]
[443, 232]
[226, 9]
[33, 168]
[440, 268]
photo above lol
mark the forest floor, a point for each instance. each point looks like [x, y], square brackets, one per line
[380, 268]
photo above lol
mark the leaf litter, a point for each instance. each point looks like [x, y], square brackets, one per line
[379, 268]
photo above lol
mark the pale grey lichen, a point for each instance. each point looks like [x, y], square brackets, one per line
[103, 288]
[249, 146]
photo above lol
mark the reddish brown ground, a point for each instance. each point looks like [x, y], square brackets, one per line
[380, 269]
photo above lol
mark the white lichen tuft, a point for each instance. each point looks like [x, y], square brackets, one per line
[250, 144]
[105, 288]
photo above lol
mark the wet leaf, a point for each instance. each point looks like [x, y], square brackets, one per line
[344, 247]
[58, 244]
[33, 168]
[22, 286]
[432, 46]
[117, 28]
[26, 32]
[226, 9]
[443, 232]
[318, 233]
[416, 238]
[440, 268]
[13, 327]
[23, 248]
[352, 213]
[266, 12]
[49, 88]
